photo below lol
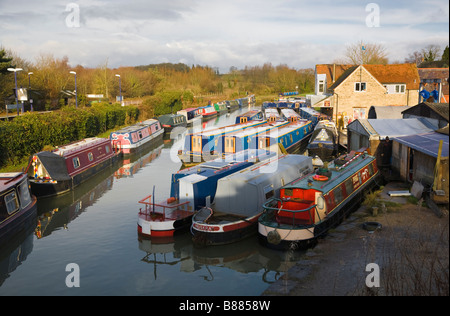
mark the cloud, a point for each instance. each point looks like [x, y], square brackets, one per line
[217, 33]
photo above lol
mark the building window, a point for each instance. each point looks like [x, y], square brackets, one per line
[321, 86]
[360, 86]
[395, 88]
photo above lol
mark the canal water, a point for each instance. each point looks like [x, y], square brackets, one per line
[92, 232]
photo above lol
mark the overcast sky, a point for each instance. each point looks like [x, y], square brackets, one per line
[220, 34]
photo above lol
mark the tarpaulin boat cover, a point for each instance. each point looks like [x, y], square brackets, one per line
[54, 164]
[244, 192]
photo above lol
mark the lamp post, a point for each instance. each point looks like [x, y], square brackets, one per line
[76, 92]
[15, 70]
[120, 89]
[29, 88]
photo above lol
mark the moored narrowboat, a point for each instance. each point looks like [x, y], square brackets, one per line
[312, 115]
[132, 138]
[170, 121]
[17, 205]
[191, 189]
[250, 116]
[232, 105]
[240, 196]
[309, 206]
[61, 170]
[272, 114]
[221, 107]
[292, 135]
[208, 112]
[208, 144]
[192, 115]
[324, 140]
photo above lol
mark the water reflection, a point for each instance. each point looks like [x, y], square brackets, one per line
[244, 257]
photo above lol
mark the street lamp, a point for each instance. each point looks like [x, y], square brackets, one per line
[15, 70]
[29, 88]
[76, 92]
[120, 89]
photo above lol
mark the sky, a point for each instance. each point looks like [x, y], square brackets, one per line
[222, 34]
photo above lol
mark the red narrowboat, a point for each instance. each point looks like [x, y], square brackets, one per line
[59, 171]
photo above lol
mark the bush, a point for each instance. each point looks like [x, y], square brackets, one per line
[31, 132]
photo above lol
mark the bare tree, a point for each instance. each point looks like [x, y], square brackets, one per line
[415, 58]
[362, 53]
[431, 52]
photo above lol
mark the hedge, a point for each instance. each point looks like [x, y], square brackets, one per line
[30, 132]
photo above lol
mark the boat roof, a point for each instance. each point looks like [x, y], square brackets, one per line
[136, 127]
[7, 179]
[257, 129]
[244, 192]
[211, 167]
[338, 174]
[79, 145]
[54, 164]
[228, 129]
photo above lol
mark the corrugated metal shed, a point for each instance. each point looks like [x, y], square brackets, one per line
[387, 112]
[391, 127]
[426, 143]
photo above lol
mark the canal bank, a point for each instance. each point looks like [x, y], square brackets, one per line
[410, 249]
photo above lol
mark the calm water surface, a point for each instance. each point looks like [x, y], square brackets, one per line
[95, 227]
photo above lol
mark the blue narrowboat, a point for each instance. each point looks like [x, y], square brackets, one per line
[191, 189]
[192, 114]
[208, 145]
[250, 116]
[289, 134]
[290, 114]
[312, 115]
[232, 105]
[272, 114]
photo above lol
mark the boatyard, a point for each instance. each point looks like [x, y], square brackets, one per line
[224, 154]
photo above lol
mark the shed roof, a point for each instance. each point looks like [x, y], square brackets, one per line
[392, 127]
[426, 143]
[384, 112]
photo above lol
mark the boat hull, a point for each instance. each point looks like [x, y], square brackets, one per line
[323, 150]
[205, 234]
[157, 227]
[130, 149]
[44, 188]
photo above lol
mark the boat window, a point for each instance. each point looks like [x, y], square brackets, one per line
[90, 156]
[370, 167]
[337, 195]
[76, 162]
[12, 204]
[268, 191]
[107, 149]
[288, 192]
[140, 134]
[24, 194]
[320, 202]
[349, 186]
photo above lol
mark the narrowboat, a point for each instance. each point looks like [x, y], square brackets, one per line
[324, 140]
[246, 101]
[290, 114]
[250, 116]
[221, 108]
[309, 206]
[191, 189]
[232, 105]
[170, 121]
[208, 112]
[272, 114]
[312, 115]
[192, 115]
[133, 138]
[208, 144]
[240, 197]
[292, 135]
[17, 205]
[59, 171]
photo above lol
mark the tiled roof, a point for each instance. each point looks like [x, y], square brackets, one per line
[385, 74]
